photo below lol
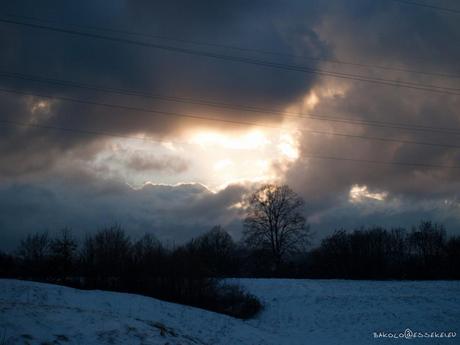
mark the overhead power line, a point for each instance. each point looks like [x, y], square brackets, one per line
[90, 132]
[310, 156]
[77, 131]
[223, 105]
[247, 60]
[433, 7]
[243, 49]
[232, 122]
[370, 161]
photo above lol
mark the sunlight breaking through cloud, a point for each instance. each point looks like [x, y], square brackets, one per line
[361, 193]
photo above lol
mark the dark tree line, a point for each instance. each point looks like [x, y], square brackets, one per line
[110, 260]
[424, 252]
[191, 274]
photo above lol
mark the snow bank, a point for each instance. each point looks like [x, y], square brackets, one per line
[348, 312]
[36, 313]
[296, 312]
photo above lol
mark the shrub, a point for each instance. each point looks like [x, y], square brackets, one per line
[237, 302]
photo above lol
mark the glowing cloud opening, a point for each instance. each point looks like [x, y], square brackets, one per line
[359, 194]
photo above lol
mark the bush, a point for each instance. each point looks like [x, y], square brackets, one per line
[237, 302]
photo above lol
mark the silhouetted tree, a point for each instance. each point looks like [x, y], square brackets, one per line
[275, 222]
[426, 247]
[452, 262]
[369, 252]
[8, 265]
[34, 252]
[146, 251]
[397, 253]
[217, 251]
[332, 258]
[106, 255]
[62, 251]
[148, 265]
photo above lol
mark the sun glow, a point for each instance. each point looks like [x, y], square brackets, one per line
[214, 158]
[251, 156]
[288, 147]
[222, 164]
[253, 140]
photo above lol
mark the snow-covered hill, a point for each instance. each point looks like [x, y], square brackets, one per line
[296, 312]
[349, 312]
[35, 313]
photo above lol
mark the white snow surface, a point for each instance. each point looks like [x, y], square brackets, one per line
[296, 312]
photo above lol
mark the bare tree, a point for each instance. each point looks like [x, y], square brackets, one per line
[106, 255]
[216, 242]
[217, 249]
[34, 248]
[146, 250]
[63, 249]
[275, 222]
[34, 253]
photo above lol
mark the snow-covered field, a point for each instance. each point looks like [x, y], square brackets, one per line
[296, 312]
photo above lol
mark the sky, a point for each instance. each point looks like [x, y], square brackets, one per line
[163, 116]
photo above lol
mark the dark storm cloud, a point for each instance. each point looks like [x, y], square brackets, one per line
[323, 177]
[169, 163]
[408, 38]
[105, 63]
[169, 212]
[145, 161]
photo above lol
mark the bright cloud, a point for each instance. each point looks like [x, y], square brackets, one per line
[248, 141]
[214, 158]
[359, 194]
